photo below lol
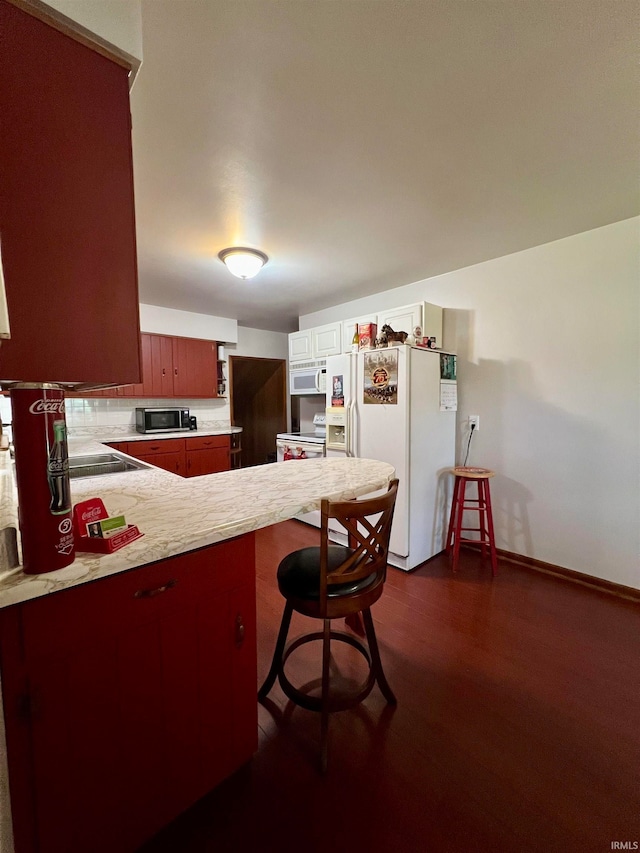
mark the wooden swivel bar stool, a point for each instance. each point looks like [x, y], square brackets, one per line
[481, 505]
[334, 582]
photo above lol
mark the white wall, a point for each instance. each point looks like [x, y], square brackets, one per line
[259, 344]
[549, 357]
[186, 324]
[237, 340]
[117, 21]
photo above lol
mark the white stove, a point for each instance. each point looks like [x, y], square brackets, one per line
[309, 437]
[303, 445]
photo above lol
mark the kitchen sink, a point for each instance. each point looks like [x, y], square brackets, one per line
[102, 463]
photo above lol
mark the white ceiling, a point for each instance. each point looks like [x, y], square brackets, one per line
[367, 144]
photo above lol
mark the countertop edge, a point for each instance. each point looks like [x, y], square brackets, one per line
[178, 515]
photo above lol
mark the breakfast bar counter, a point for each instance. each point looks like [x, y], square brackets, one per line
[129, 680]
[177, 515]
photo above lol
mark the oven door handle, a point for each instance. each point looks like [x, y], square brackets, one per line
[304, 447]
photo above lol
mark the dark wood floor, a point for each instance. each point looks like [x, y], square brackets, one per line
[517, 726]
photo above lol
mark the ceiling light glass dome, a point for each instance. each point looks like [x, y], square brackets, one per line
[243, 263]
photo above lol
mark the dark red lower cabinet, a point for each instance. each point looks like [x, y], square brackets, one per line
[129, 698]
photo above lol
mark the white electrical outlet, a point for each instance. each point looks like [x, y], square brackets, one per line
[474, 421]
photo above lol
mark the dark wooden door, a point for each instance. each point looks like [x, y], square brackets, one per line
[66, 209]
[258, 405]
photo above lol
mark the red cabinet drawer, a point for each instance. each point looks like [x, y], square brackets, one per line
[52, 624]
[207, 442]
[160, 445]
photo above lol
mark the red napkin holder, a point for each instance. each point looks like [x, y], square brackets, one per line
[92, 510]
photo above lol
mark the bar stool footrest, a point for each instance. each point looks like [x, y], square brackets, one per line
[339, 702]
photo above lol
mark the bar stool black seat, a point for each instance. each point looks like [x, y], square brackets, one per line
[333, 582]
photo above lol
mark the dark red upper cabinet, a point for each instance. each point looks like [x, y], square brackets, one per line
[194, 368]
[67, 225]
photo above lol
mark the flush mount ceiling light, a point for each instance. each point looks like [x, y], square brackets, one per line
[243, 263]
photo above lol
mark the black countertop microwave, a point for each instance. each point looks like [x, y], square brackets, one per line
[162, 420]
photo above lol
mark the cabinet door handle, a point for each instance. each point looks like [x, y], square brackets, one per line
[240, 631]
[150, 593]
[163, 371]
[175, 370]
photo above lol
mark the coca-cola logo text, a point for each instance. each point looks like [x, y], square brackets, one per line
[44, 407]
[92, 514]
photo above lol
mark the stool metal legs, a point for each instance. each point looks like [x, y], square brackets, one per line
[324, 713]
[326, 703]
[270, 680]
[376, 663]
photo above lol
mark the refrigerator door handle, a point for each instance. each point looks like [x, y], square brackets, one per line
[353, 451]
[348, 429]
[356, 432]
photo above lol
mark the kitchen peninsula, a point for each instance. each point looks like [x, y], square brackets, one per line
[129, 680]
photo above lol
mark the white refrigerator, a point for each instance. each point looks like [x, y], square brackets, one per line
[399, 405]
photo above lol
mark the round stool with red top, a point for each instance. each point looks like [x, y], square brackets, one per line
[482, 505]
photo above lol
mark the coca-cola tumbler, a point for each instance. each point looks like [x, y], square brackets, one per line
[42, 474]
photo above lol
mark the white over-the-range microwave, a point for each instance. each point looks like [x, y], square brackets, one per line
[308, 377]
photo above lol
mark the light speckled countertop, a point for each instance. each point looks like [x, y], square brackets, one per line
[178, 515]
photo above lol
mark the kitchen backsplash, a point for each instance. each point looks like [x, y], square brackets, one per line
[92, 416]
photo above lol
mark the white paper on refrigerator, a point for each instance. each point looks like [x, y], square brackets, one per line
[448, 396]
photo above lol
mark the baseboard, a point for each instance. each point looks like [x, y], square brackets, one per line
[618, 589]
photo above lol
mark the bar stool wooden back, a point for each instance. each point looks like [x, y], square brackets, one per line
[331, 582]
[481, 504]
